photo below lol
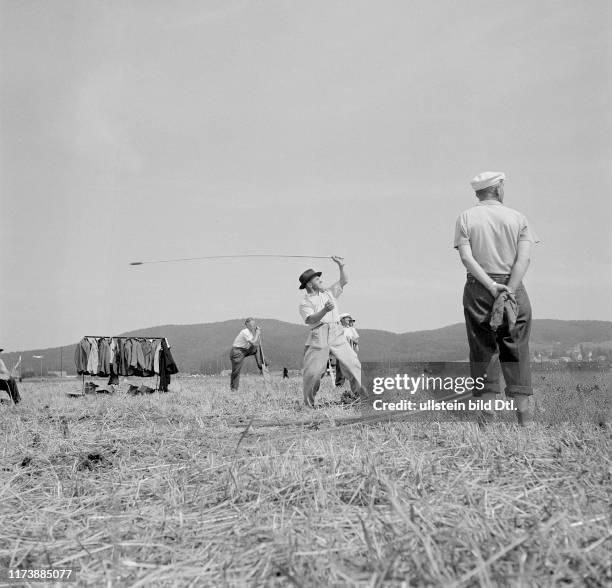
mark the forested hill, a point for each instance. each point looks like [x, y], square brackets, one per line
[204, 348]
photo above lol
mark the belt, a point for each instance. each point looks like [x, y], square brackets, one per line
[496, 277]
[491, 275]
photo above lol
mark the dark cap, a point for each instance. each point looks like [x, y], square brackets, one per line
[307, 276]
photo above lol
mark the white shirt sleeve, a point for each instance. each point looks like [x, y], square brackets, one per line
[335, 289]
[527, 233]
[462, 236]
[305, 310]
[248, 335]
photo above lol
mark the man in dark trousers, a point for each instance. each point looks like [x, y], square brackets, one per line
[494, 244]
[245, 344]
[8, 382]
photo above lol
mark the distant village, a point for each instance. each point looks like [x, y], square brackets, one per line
[588, 354]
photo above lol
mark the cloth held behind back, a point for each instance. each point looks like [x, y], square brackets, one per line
[504, 305]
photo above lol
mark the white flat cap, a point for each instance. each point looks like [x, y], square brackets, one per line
[486, 179]
[344, 315]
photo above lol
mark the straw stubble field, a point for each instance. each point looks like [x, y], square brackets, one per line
[185, 489]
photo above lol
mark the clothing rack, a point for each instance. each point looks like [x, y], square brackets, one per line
[120, 337]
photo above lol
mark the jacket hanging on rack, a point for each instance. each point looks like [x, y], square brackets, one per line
[104, 353]
[156, 355]
[112, 368]
[92, 360]
[81, 354]
[147, 352]
[167, 366]
[137, 358]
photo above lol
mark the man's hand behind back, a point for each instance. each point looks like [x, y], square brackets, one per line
[496, 289]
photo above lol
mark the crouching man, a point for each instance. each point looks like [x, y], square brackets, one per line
[245, 344]
[319, 311]
[494, 244]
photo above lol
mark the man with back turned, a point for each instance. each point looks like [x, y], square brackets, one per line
[494, 244]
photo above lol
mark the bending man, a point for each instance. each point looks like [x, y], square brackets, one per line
[319, 311]
[245, 344]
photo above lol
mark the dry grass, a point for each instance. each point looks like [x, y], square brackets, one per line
[185, 489]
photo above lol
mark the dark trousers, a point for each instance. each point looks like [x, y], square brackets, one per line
[237, 356]
[340, 378]
[491, 350]
[10, 386]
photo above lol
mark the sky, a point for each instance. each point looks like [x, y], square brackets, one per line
[142, 130]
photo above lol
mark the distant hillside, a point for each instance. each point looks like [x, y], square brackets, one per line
[204, 348]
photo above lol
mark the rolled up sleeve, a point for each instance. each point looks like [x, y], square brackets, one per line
[462, 236]
[305, 310]
[527, 233]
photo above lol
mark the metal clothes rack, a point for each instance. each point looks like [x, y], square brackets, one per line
[121, 337]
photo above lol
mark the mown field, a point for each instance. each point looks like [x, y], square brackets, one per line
[204, 487]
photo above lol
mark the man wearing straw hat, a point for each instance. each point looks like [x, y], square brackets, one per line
[319, 311]
[494, 243]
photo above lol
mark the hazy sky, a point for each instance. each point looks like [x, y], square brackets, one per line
[140, 130]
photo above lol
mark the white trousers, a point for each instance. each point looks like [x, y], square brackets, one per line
[327, 338]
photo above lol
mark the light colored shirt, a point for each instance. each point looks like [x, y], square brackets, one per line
[244, 339]
[493, 232]
[352, 336]
[348, 333]
[313, 303]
